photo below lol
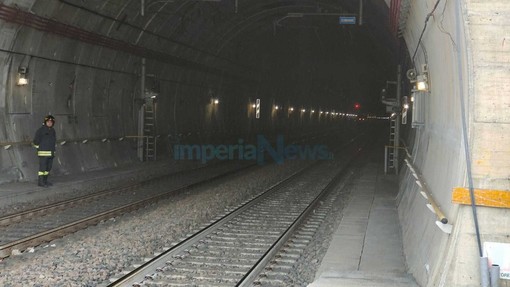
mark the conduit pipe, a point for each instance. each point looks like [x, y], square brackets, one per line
[494, 274]
[460, 38]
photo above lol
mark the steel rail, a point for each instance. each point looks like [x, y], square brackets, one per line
[58, 232]
[249, 278]
[153, 265]
[15, 217]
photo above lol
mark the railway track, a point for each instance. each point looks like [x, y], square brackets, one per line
[280, 270]
[235, 248]
[32, 227]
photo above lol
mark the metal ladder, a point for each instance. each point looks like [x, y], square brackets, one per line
[149, 130]
[393, 132]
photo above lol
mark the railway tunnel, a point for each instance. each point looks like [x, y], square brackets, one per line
[128, 80]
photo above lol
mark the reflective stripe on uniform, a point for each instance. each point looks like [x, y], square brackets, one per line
[46, 173]
[44, 153]
[36, 146]
[40, 173]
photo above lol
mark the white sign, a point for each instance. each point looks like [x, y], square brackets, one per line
[499, 253]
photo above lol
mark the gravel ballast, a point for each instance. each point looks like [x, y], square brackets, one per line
[91, 256]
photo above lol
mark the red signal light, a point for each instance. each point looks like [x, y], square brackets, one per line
[357, 106]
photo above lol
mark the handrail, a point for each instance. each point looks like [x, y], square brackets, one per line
[428, 195]
[442, 222]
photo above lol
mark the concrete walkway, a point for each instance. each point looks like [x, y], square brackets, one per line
[366, 249]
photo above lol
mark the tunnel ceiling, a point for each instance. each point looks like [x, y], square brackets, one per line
[254, 44]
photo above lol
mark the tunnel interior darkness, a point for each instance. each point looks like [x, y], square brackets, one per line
[253, 48]
[84, 61]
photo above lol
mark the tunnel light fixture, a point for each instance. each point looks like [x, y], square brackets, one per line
[253, 105]
[291, 109]
[313, 111]
[22, 79]
[422, 83]
[215, 101]
[303, 110]
[321, 112]
[276, 107]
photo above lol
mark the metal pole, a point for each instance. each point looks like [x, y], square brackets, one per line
[141, 118]
[142, 80]
[142, 7]
[360, 12]
[484, 272]
[494, 273]
[385, 159]
[397, 122]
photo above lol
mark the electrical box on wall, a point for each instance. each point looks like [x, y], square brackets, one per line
[419, 104]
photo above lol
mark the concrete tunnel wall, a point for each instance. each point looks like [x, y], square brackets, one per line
[96, 99]
[465, 51]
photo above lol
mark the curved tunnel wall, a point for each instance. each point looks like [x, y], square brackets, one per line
[95, 100]
[464, 50]
[84, 68]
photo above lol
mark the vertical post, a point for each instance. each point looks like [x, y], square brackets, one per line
[385, 159]
[360, 12]
[142, 7]
[494, 274]
[237, 6]
[141, 114]
[142, 80]
[397, 122]
[484, 272]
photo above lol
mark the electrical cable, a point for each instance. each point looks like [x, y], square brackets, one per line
[158, 36]
[440, 25]
[424, 28]
[98, 68]
[466, 141]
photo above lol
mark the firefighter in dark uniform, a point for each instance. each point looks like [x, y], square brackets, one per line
[44, 141]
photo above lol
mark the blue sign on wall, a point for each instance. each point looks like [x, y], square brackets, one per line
[347, 20]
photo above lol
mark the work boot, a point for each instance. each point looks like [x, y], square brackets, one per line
[40, 182]
[46, 182]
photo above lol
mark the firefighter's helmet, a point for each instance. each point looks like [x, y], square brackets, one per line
[49, 118]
